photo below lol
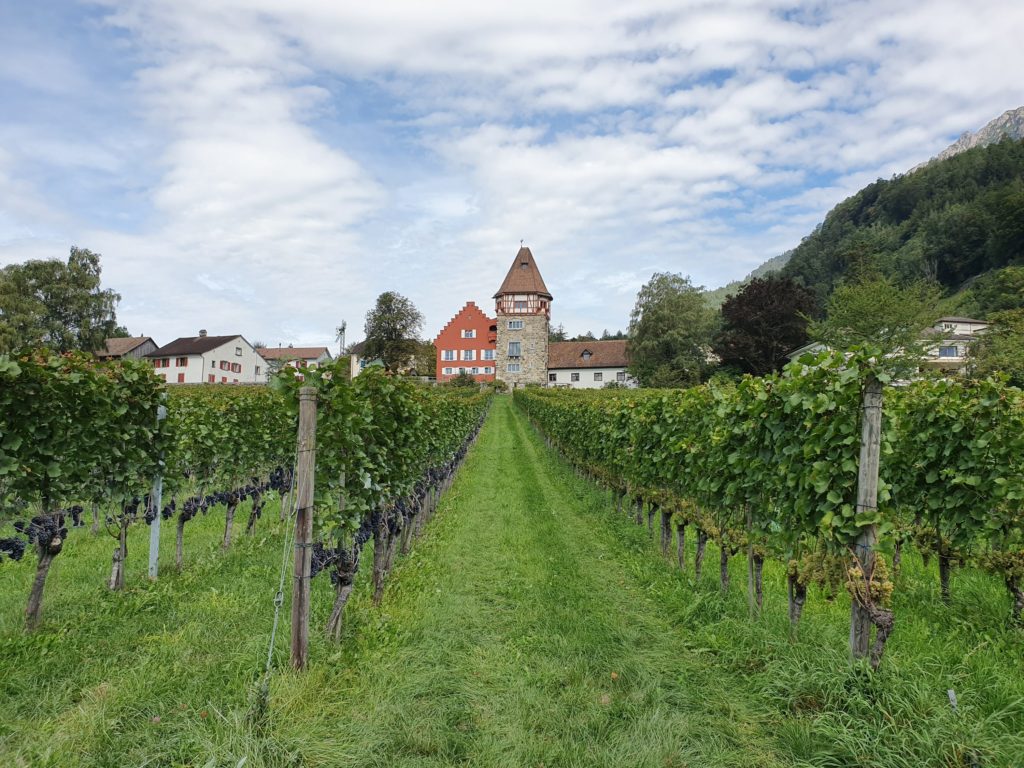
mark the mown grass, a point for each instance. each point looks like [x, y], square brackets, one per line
[530, 626]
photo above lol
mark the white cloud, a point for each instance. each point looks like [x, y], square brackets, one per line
[294, 160]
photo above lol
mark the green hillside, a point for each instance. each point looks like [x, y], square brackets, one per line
[954, 221]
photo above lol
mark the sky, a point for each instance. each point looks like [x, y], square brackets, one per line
[268, 168]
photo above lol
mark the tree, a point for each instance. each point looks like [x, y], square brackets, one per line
[1001, 348]
[997, 291]
[557, 333]
[607, 336]
[872, 309]
[426, 359]
[392, 330]
[587, 336]
[49, 303]
[669, 332]
[763, 323]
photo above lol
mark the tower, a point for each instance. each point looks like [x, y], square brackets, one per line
[523, 308]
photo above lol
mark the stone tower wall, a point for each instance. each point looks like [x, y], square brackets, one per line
[533, 339]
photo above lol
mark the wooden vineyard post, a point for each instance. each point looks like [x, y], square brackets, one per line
[303, 485]
[867, 499]
[156, 500]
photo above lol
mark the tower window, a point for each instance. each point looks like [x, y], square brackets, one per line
[519, 305]
[515, 325]
[514, 367]
[514, 348]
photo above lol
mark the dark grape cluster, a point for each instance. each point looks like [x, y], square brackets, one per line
[14, 547]
[43, 530]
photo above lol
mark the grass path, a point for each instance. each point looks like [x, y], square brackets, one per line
[522, 641]
[529, 627]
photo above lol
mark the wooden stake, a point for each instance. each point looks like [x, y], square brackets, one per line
[305, 468]
[867, 499]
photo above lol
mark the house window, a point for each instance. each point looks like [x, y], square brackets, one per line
[947, 352]
[515, 325]
[223, 379]
[586, 354]
[468, 354]
[461, 371]
[211, 379]
[238, 351]
[236, 367]
[447, 371]
[574, 377]
[620, 376]
[514, 368]
[213, 363]
[598, 376]
[475, 371]
[181, 378]
[448, 354]
[181, 362]
[552, 377]
[224, 366]
[234, 381]
[513, 349]
[487, 354]
[257, 370]
[469, 333]
[488, 370]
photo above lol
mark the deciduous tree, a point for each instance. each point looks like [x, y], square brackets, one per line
[392, 330]
[50, 303]
[763, 323]
[669, 332]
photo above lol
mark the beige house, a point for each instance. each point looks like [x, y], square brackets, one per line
[278, 357]
[949, 342]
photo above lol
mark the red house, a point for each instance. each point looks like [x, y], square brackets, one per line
[467, 344]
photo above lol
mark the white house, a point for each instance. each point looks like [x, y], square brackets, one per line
[312, 357]
[207, 359]
[949, 342]
[588, 364]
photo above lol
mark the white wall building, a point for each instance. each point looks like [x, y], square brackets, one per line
[311, 357]
[207, 359]
[588, 364]
[949, 342]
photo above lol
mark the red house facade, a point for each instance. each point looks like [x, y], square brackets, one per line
[467, 344]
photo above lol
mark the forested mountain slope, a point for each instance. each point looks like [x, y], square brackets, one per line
[952, 221]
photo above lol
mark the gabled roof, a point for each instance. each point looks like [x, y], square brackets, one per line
[293, 353]
[121, 347]
[192, 345]
[470, 312]
[603, 354]
[524, 277]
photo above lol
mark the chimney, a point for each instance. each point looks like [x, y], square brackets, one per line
[202, 332]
